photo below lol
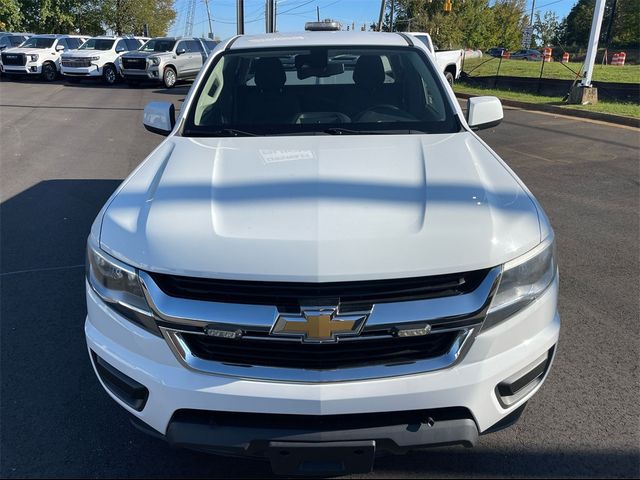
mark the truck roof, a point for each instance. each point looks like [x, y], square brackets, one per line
[338, 38]
[58, 35]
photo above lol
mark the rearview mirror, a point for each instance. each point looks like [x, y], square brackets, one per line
[484, 112]
[159, 117]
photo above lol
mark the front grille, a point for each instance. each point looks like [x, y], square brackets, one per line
[290, 295]
[278, 421]
[76, 62]
[14, 59]
[134, 63]
[346, 353]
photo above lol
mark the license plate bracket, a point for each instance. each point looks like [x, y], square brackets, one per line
[322, 458]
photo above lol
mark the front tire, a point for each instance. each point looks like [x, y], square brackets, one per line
[49, 72]
[109, 75]
[169, 78]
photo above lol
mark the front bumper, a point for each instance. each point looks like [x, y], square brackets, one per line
[151, 74]
[91, 71]
[496, 355]
[28, 69]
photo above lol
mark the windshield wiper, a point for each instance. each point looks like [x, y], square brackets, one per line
[349, 131]
[232, 132]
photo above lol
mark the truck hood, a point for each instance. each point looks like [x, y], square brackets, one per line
[86, 53]
[138, 54]
[27, 51]
[320, 208]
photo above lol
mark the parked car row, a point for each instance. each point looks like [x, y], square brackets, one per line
[110, 58]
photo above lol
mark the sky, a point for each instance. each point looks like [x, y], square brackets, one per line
[292, 14]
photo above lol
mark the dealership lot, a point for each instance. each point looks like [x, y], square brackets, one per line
[64, 149]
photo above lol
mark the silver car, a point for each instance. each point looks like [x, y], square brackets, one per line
[164, 59]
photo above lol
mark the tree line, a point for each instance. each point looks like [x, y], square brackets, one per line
[89, 17]
[501, 23]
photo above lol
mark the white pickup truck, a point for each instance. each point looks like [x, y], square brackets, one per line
[322, 262]
[449, 61]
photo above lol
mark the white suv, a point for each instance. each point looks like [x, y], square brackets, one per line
[39, 55]
[322, 262]
[97, 58]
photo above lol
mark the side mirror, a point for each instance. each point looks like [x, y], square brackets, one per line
[181, 50]
[59, 48]
[484, 112]
[159, 117]
[120, 50]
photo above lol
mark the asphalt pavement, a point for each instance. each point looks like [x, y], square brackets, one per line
[65, 148]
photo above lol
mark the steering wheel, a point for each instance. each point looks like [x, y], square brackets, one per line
[385, 109]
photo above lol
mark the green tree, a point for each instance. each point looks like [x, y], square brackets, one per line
[129, 16]
[626, 26]
[509, 22]
[545, 28]
[471, 23]
[577, 25]
[10, 16]
[49, 16]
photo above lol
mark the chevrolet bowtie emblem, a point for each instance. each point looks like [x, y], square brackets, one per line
[319, 324]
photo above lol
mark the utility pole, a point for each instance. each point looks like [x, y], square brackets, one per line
[393, 4]
[318, 12]
[607, 39]
[585, 93]
[240, 16]
[533, 6]
[594, 36]
[188, 24]
[268, 17]
[206, 2]
[382, 6]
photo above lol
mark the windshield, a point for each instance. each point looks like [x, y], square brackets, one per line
[97, 44]
[158, 45]
[342, 90]
[16, 40]
[38, 42]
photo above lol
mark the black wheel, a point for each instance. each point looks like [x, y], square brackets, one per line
[109, 75]
[169, 78]
[49, 72]
[449, 77]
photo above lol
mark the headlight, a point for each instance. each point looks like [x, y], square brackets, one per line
[34, 57]
[523, 280]
[154, 60]
[118, 285]
[93, 59]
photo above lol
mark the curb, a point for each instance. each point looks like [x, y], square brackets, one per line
[541, 107]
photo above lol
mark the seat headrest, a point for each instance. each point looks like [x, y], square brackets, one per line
[269, 73]
[369, 72]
